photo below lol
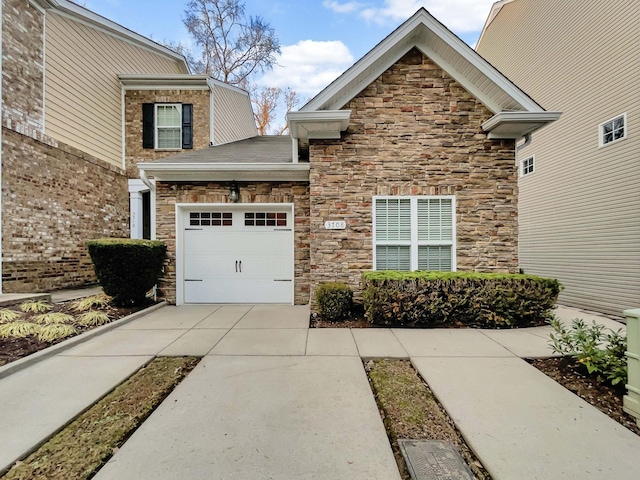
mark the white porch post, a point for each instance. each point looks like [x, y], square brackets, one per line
[136, 188]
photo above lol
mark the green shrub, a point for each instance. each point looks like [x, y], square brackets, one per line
[602, 354]
[335, 301]
[127, 269]
[429, 298]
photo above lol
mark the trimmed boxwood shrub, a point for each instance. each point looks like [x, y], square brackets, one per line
[429, 298]
[335, 301]
[126, 268]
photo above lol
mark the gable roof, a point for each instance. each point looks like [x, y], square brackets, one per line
[443, 47]
[84, 15]
[449, 52]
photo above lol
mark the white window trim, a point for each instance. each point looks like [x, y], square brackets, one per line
[601, 130]
[414, 243]
[533, 164]
[155, 125]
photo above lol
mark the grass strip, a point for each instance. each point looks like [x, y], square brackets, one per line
[83, 446]
[410, 410]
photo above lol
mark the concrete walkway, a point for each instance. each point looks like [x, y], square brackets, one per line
[275, 399]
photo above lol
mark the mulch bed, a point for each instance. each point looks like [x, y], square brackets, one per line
[573, 376]
[12, 349]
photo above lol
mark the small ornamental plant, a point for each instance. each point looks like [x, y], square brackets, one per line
[600, 350]
[335, 301]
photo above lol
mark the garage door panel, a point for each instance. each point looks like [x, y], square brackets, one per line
[219, 291]
[203, 241]
[201, 266]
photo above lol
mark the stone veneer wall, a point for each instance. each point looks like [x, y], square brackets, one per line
[413, 131]
[134, 153]
[22, 64]
[54, 199]
[251, 193]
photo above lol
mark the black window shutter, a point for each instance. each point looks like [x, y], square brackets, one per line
[147, 125]
[187, 125]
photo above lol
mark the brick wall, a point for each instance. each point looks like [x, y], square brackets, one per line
[205, 192]
[22, 64]
[413, 131]
[134, 153]
[54, 199]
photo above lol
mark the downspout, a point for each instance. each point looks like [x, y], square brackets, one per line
[146, 181]
[527, 141]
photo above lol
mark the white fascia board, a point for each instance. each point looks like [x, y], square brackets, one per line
[227, 171]
[87, 16]
[408, 33]
[516, 125]
[365, 62]
[164, 82]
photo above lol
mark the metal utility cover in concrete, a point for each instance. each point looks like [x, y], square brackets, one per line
[433, 460]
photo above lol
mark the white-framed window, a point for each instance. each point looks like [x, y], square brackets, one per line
[414, 233]
[527, 166]
[168, 126]
[613, 130]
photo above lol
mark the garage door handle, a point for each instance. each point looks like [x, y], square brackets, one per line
[240, 265]
[282, 280]
[236, 266]
[281, 229]
[191, 280]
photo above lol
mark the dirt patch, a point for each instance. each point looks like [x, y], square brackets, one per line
[409, 410]
[573, 376]
[12, 349]
[86, 444]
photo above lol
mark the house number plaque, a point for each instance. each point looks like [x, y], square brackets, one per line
[335, 225]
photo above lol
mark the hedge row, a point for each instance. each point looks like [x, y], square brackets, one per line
[428, 298]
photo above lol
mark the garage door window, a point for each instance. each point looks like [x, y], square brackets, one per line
[210, 219]
[265, 219]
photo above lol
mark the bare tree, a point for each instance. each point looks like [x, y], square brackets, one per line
[233, 46]
[267, 103]
[291, 101]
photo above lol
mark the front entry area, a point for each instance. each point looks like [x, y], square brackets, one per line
[236, 254]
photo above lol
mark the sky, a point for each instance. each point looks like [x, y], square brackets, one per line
[319, 38]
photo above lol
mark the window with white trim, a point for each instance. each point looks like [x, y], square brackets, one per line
[613, 130]
[526, 166]
[168, 126]
[414, 233]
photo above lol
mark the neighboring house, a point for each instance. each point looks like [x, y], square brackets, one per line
[406, 161]
[69, 81]
[579, 198]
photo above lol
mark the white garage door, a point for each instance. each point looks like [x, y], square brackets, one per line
[238, 256]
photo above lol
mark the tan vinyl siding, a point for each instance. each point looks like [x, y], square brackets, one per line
[580, 210]
[232, 116]
[83, 96]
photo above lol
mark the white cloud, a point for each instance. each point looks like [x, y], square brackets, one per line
[338, 7]
[458, 15]
[308, 66]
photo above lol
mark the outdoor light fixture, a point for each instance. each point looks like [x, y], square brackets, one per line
[234, 192]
